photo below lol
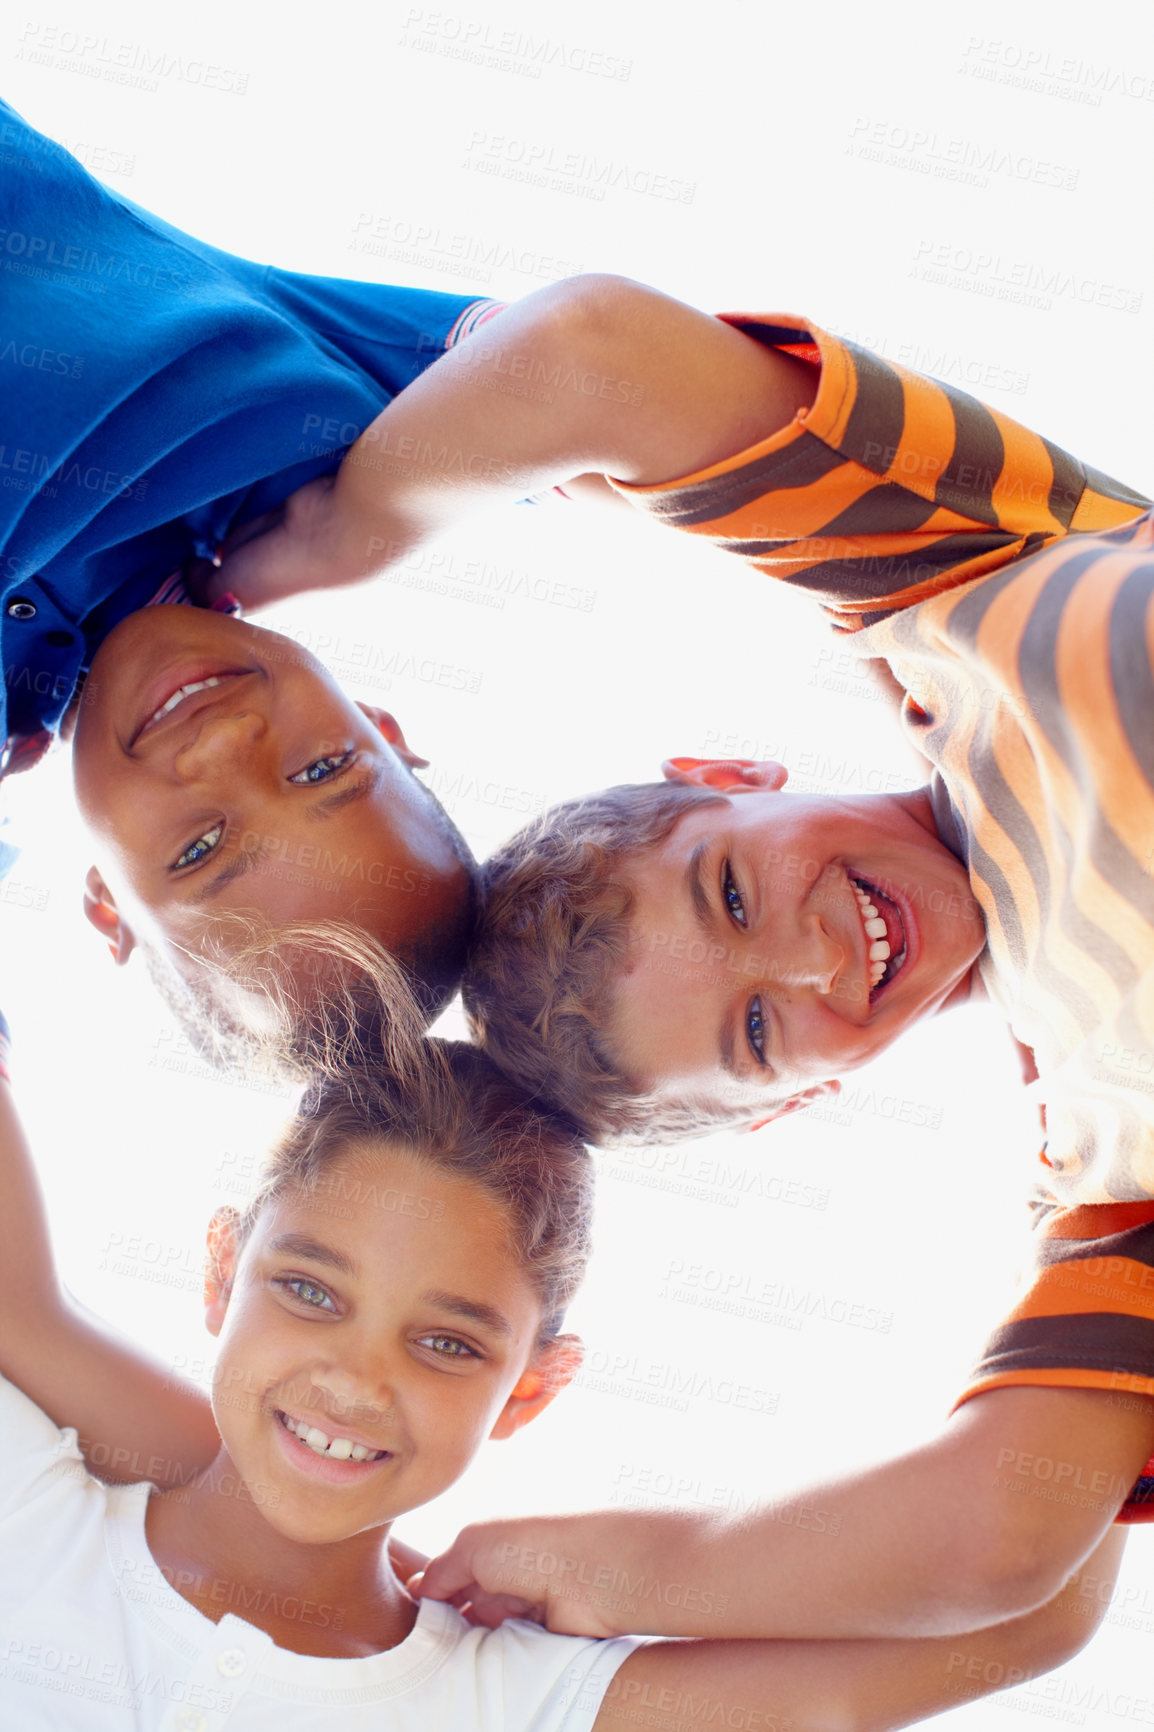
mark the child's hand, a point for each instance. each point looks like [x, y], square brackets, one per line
[538, 1568]
[478, 1607]
[281, 553]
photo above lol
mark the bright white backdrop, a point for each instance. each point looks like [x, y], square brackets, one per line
[950, 187]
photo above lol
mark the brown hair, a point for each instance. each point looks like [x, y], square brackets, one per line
[451, 1107]
[552, 937]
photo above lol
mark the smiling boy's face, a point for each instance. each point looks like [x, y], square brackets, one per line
[750, 977]
[384, 1313]
[222, 770]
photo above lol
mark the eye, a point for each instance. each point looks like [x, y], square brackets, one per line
[309, 1293]
[321, 769]
[200, 849]
[755, 1030]
[448, 1347]
[731, 895]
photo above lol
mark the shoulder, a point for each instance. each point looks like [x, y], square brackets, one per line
[520, 1676]
[48, 1499]
[33, 1447]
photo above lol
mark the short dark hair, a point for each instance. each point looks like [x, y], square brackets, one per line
[434, 956]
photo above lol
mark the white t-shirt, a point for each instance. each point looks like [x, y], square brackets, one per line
[92, 1635]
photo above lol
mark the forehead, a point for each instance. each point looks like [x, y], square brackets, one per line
[788, 837]
[399, 1219]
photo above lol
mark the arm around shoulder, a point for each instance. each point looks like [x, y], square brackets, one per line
[972, 1529]
[856, 1686]
[595, 374]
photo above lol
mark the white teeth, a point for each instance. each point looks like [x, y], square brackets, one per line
[184, 692]
[335, 1448]
[875, 931]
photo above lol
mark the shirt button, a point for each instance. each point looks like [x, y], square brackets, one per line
[190, 1720]
[231, 1663]
[21, 609]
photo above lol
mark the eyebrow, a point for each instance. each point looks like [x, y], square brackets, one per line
[487, 1315]
[300, 1245]
[316, 813]
[698, 895]
[725, 1042]
[236, 868]
[347, 796]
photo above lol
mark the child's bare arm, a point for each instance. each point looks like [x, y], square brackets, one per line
[136, 1419]
[595, 374]
[869, 1686]
[982, 1524]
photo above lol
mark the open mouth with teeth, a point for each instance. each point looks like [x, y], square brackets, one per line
[181, 693]
[190, 689]
[885, 934]
[331, 1448]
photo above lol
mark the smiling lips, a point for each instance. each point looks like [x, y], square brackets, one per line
[331, 1448]
[885, 933]
[180, 695]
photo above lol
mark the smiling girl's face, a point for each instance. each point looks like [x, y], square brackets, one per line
[384, 1315]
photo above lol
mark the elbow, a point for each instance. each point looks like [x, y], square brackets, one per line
[598, 319]
[601, 299]
[1010, 1571]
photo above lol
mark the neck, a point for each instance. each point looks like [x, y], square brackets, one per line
[214, 1545]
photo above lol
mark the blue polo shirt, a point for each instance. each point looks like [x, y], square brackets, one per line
[154, 392]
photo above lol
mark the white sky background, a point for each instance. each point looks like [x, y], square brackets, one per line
[827, 161]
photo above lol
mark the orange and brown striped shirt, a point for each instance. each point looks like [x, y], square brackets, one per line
[1011, 590]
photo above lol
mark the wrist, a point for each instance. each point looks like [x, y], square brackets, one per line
[641, 1572]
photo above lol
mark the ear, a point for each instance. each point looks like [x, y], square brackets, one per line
[101, 911]
[388, 725]
[727, 775]
[796, 1103]
[553, 1367]
[220, 1266]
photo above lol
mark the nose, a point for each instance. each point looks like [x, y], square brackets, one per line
[817, 959]
[220, 744]
[360, 1389]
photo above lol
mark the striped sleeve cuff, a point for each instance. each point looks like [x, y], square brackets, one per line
[891, 488]
[1086, 1320]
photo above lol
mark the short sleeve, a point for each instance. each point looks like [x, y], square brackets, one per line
[1084, 1320]
[530, 1680]
[891, 488]
[37, 1459]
